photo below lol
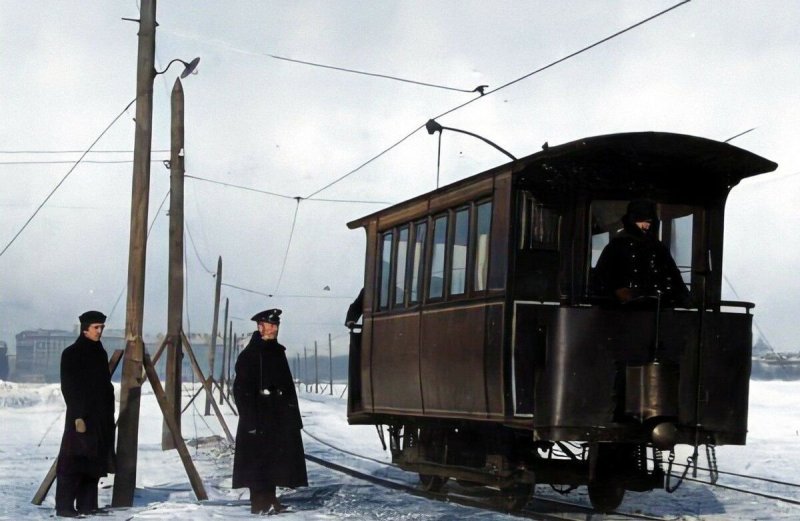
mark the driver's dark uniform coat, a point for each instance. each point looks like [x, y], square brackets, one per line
[269, 447]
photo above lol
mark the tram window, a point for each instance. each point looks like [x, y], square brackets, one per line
[400, 266]
[483, 223]
[680, 245]
[606, 219]
[539, 224]
[385, 270]
[458, 269]
[417, 261]
[436, 285]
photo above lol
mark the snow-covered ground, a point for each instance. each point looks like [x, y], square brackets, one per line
[31, 416]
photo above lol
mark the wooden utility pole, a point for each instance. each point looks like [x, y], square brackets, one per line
[132, 369]
[232, 359]
[175, 277]
[224, 353]
[212, 345]
[316, 369]
[330, 364]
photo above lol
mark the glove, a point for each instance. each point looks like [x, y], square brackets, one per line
[80, 425]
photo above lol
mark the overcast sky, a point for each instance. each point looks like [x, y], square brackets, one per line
[67, 69]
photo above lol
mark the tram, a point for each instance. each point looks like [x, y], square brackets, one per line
[488, 359]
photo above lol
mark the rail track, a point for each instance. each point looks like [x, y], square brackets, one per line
[538, 508]
[543, 504]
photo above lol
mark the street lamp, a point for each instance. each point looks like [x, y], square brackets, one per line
[188, 68]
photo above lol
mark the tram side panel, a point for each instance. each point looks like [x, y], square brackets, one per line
[452, 362]
[396, 364]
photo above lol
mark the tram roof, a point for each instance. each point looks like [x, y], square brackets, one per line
[634, 158]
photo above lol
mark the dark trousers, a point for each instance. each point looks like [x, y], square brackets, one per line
[76, 492]
[261, 498]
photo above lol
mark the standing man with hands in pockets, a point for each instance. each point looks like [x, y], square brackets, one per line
[87, 446]
[269, 447]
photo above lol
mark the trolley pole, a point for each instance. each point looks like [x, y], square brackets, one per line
[175, 277]
[132, 368]
[212, 345]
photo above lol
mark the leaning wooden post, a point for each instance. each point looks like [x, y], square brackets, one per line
[207, 387]
[177, 439]
[132, 373]
[212, 345]
[173, 377]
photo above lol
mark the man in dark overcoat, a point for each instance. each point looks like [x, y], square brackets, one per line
[87, 445]
[269, 447]
[637, 264]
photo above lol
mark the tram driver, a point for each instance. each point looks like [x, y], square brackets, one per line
[636, 268]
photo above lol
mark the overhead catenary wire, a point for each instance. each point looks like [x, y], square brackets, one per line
[147, 237]
[284, 196]
[512, 82]
[288, 245]
[87, 161]
[73, 151]
[273, 295]
[479, 89]
[77, 162]
[194, 248]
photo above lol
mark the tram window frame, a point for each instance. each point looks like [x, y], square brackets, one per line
[459, 233]
[385, 278]
[417, 261]
[550, 221]
[601, 233]
[399, 287]
[432, 252]
[477, 286]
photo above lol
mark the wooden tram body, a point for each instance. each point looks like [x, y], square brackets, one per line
[483, 349]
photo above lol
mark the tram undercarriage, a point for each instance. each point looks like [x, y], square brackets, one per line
[509, 460]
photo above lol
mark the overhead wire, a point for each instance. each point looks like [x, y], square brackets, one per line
[194, 248]
[512, 82]
[72, 151]
[288, 245]
[53, 191]
[147, 237]
[272, 295]
[479, 89]
[62, 162]
[283, 196]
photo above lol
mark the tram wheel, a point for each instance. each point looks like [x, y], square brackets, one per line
[605, 495]
[516, 496]
[432, 442]
[432, 482]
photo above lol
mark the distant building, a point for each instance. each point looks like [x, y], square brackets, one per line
[3, 361]
[39, 352]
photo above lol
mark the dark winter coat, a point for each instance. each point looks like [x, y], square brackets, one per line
[88, 393]
[639, 261]
[269, 447]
